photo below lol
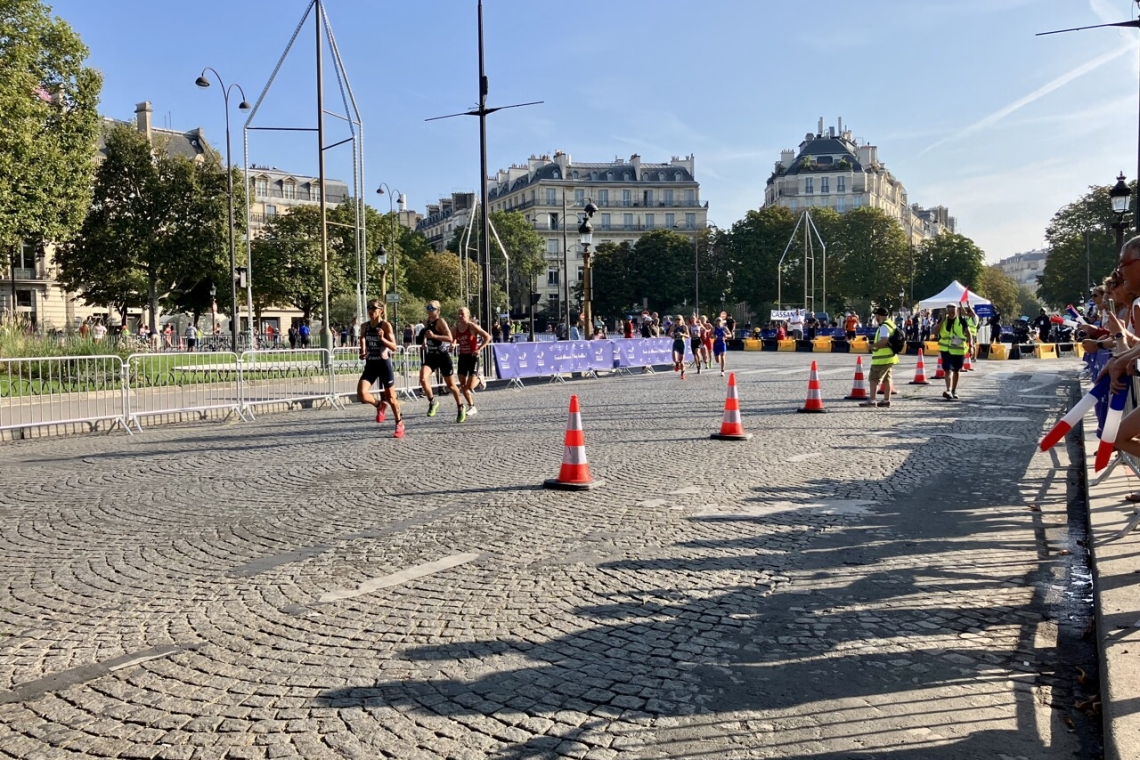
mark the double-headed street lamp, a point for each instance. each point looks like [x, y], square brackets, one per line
[201, 81]
[401, 200]
[1120, 196]
[586, 230]
[696, 263]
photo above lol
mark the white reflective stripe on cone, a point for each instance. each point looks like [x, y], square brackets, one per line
[575, 455]
[575, 422]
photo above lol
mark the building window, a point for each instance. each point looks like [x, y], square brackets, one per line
[261, 187]
[550, 196]
[579, 274]
[552, 246]
[627, 221]
[626, 197]
[289, 191]
[609, 175]
[627, 176]
[26, 256]
[690, 197]
[551, 276]
[271, 211]
[594, 176]
[669, 221]
[793, 204]
[660, 176]
[668, 197]
[678, 176]
[824, 185]
[650, 222]
[841, 204]
[603, 197]
[605, 221]
[648, 197]
[809, 188]
[840, 184]
[857, 201]
[580, 197]
[691, 221]
[555, 175]
[23, 299]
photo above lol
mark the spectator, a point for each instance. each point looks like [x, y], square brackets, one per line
[796, 324]
[627, 328]
[1041, 322]
[850, 325]
[812, 325]
[305, 334]
[191, 337]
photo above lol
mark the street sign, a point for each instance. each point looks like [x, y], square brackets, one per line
[393, 298]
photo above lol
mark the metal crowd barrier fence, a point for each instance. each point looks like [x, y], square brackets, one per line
[156, 384]
[284, 376]
[347, 367]
[62, 390]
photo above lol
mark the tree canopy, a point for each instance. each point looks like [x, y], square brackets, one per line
[48, 101]
[522, 244]
[1082, 247]
[156, 229]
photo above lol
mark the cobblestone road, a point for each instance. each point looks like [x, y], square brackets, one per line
[858, 584]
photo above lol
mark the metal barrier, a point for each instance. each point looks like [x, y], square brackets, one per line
[62, 390]
[347, 367]
[157, 384]
[284, 376]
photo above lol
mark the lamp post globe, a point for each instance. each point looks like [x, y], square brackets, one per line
[1120, 196]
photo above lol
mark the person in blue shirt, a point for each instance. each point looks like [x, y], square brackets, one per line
[720, 343]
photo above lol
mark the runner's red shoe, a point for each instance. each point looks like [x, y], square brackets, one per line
[381, 412]
[399, 430]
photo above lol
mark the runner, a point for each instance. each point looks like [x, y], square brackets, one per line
[376, 344]
[469, 339]
[677, 332]
[720, 335]
[436, 339]
[707, 340]
[695, 332]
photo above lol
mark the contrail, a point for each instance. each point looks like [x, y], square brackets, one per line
[1037, 94]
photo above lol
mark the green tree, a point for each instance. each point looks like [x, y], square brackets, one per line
[288, 257]
[1027, 302]
[523, 245]
[436, 276]
[753, 247]
[1082, 247]
[613, 288]
[157, 226]
[1000, 288]
[944, 258]
[868, 259]
[661, 271]
[48, 126]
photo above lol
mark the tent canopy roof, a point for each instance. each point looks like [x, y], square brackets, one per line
[952, 293]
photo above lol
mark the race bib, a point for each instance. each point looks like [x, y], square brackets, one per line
[955, 342]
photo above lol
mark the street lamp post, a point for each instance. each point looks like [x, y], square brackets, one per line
[1120, 196]
[401, 202]
[213, 310]
[201, 81]
[586, 230]
[696, 264]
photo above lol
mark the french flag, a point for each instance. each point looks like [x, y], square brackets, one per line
[1076, 315]
[1062, 428]
[1111, 428]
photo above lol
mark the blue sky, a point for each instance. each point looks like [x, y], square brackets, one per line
[968, 108]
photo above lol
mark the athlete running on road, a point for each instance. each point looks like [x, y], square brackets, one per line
[678, 333]
[436, 339]
[469, 339]
[377, 341]
[695, 332]
[720, 343]
[707, 340]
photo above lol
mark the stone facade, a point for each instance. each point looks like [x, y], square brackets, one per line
[830, 169]
[1026, 267]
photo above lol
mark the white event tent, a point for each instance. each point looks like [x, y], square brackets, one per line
[951, 294]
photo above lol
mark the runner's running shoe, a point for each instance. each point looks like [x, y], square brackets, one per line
[462, 416]
[381, 412]
[433, 405]
[472, 411]
[399, 430]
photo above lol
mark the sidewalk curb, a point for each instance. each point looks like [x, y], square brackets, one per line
[1116, 582]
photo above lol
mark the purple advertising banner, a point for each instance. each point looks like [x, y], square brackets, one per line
[518, 360]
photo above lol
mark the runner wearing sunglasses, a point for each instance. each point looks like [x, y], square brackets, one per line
[377, 341]
[436, 340]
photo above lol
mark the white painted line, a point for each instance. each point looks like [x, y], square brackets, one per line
[755, 371]
[804, 457]
[650, 503]
[153, 655]
[685, 491]
[848, 370]
[395, 579]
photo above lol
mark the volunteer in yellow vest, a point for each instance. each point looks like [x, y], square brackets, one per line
[972, 326]
[954, 340]
[883, 359]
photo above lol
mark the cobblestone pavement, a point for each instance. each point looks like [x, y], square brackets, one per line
[857, 584]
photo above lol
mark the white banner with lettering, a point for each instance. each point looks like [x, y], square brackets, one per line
[782, 315]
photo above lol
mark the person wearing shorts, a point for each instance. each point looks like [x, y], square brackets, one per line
[436, 339]
[377, 342]
[953, 341]
[720, 343]
[707, 340]
[678, 332]
[883, 359]
[696, 345]
[469, 340]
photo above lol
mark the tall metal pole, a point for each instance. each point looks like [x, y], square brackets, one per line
[488, 309]
[326, 328]
[565, 268]
[233, 251]
[696, 275]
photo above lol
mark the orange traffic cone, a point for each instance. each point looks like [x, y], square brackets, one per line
[967, 365]
[883, 389]
[859, 386]
[941, 373]
[814, 401]
[731, 429]
[920, 372]
[575, 472]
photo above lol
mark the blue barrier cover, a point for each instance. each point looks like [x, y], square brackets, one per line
[518, 360]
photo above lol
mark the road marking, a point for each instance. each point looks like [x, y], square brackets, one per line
[65, 679]
[650, 503]
[804, 457]
[403, 576]
[686, 491]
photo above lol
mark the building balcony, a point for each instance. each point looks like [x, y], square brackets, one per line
[300, 197]
[26, 273]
